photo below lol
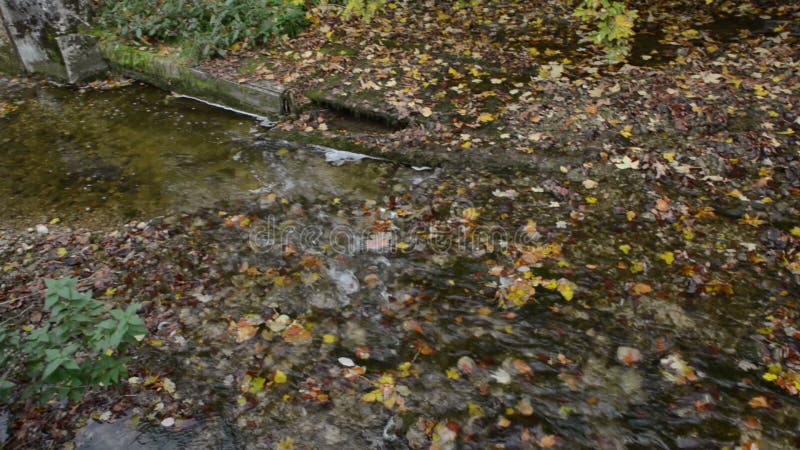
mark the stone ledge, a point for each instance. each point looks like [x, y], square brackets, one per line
[172, 74]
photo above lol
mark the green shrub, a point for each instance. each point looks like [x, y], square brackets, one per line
[208, 28]
[614, 26]
[76, 349]
[365, 9]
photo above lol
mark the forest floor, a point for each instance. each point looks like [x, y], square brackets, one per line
[512, 86]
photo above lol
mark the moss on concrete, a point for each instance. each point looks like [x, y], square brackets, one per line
[9, 60]
[175, 74]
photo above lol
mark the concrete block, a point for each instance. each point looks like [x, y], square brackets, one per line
[170, 73]
[82, 58]
[9, 59]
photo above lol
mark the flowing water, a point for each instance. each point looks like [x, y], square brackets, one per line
[331, 319]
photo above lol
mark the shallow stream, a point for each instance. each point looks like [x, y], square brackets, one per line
[273, 327]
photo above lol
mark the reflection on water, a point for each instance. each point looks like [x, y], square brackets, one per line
[104, 157]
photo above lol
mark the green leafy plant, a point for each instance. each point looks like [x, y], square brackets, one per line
[615, 24]
[207, 28]
[365, 9]
[76, 349]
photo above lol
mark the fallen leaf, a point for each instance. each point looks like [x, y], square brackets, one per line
[642, 288]
[667, 257]
[758, 402]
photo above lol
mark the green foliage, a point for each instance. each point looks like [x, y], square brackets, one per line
[209, 28]
[365, 9]
[76, 349]
[614, 26]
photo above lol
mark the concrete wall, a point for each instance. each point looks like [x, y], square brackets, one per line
[37, 29]
[9, 60]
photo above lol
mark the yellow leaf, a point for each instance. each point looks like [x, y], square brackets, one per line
[667, 257]
[716, 287]
[625, 248]
[520, 293]
[257, 385]
[736, 194]
[690, 34]
[622, 21]
[566, 291]
[627, 132]
[286, 443]
[390, 401]
[591, 200]
[475, 410]
[670, 157]
[471, 214]
[61, 252]
[386, 380]
[426, 111]
[402, 246]
[795, 232]
[328, 339]
[486, 118]
[760, 91]
[372, 397]
[753, 221]
[280, 377]
[454, 73]
[770, 377]
[453, 374]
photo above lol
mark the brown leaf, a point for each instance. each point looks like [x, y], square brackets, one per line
[758, 402]
[642, 288]
[296, 334]
[548, 441]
